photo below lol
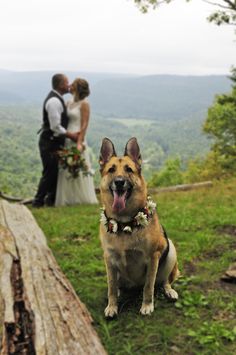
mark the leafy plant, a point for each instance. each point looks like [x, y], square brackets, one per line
[212, 333]
[190, 303]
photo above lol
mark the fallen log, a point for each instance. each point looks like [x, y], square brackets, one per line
[39, 310]
[184, 187]
[10, 198]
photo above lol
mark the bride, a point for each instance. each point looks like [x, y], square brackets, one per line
[78, 190]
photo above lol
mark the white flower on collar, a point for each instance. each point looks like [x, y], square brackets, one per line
[127, 229]
[141, 219]
[103, 217]
[114, 225]
[151, 205]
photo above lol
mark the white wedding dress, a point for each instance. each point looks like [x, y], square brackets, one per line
[71, 191]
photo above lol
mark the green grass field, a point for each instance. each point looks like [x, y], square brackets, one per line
[202, 224]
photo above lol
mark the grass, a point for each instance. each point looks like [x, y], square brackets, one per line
[203, 321]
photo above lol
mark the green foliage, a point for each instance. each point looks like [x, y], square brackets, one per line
[221, 125]
[203, 319]
[193, 171]
[223, 17]
[190, 303]
[208, 168]
[227, 16]
[19, 157]
[169, 175]
[210, 334]
[144, 5]
[212, 167]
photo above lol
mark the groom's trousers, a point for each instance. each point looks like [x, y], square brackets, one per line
[47, 186]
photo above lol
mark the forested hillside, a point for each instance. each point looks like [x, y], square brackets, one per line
[19, 156]
[165, 113]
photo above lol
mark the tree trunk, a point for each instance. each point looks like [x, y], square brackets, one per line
[40, 311]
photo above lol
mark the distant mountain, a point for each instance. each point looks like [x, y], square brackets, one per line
[159, 97]
[33, 86]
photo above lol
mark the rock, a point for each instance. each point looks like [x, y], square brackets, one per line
[230, 274]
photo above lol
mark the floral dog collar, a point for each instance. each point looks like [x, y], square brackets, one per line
[141, 219]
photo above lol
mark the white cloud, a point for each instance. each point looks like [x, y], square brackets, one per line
[112, 35]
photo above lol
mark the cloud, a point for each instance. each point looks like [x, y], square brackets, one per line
[112, 35]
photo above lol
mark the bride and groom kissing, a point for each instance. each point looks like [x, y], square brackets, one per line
[64, 125]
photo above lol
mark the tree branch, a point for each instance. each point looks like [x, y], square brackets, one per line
[230, 7]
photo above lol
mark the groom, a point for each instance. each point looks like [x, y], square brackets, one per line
[52, 138]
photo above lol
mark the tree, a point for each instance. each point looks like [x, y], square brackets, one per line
[225, 14]
[169, 175]
[221, 124]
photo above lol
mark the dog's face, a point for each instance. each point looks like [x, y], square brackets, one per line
[123, 189]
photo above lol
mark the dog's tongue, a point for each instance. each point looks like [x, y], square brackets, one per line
[119, 201]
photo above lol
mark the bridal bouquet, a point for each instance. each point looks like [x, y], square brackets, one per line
[71, 159]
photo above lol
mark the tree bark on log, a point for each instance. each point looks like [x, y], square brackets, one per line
[10, 198]
[39, 310]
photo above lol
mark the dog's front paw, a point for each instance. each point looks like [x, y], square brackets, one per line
[147, 308]
[111, 311]
[171, 294]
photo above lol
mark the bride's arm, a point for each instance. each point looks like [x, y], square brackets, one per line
[84, 120]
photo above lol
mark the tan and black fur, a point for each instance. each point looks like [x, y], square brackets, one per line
[132, 259]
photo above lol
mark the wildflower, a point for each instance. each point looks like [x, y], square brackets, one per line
[151, 205]
[103, 218]
[141, 219]
[113, 225]
[127, 229]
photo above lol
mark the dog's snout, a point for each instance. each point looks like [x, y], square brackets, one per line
[119, 182]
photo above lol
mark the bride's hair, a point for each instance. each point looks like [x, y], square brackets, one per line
[81, 89]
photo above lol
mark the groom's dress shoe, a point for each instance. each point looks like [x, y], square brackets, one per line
[37, 204]
[49, 201]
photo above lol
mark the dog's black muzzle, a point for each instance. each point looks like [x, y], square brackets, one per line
[121, 185]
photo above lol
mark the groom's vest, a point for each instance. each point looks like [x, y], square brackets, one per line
[47, 133]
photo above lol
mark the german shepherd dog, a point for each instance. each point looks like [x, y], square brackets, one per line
[136, 249]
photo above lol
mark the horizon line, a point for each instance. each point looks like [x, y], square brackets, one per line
[108, 72]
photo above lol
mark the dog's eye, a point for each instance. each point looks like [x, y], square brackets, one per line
[128, 169]
[112, 169]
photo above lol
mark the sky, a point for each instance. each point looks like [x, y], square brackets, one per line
[113, 36]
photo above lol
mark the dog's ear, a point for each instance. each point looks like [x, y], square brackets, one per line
[107, 151]
[132, 150]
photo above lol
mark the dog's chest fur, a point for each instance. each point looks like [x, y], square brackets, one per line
[129, 254]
